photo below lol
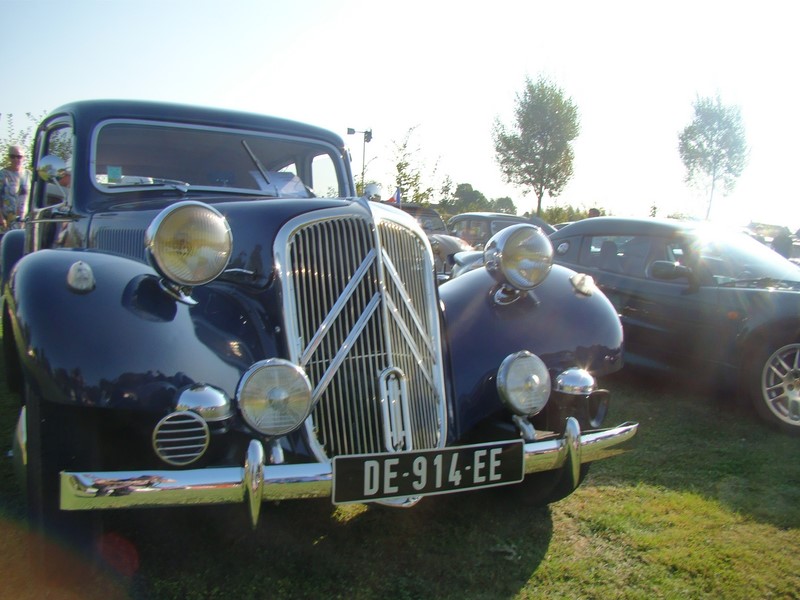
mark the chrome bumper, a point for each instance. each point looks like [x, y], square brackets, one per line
[257, 482]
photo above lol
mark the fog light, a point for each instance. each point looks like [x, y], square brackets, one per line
[523, 383]
[274, 396]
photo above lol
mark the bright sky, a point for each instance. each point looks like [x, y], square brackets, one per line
[448, 69]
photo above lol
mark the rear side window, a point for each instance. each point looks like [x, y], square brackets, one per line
[624, 254]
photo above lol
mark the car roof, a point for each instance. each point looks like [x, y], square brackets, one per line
[625, 226]
[490, 215]
[415, 208]
[534, 220]
[88, 112]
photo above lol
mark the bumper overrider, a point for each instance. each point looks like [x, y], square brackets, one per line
[256, 481]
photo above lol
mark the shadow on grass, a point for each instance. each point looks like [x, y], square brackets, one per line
[474, 545]
[445, 547]
[693, 437]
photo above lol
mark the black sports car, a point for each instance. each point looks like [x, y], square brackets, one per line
[694, 297]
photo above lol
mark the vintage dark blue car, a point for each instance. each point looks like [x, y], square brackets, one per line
[198, 310]
[708, 301]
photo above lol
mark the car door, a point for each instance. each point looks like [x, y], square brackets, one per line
[675, 323]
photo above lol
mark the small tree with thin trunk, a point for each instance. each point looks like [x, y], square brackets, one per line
[536, 152]
[408, 176]
[713, 147]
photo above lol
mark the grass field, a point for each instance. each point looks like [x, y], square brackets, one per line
[705, 505]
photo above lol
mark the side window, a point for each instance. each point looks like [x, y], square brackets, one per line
[324, 179]
[57, 142]
[625, 254]
[499, 225]
[460, 229]
[568, 250]
[482, 231]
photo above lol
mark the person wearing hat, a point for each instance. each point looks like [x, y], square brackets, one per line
[15, 183]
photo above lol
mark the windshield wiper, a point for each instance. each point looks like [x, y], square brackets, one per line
[177, 184]
[259, 165]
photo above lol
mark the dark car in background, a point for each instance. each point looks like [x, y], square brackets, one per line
[207, 314]
[699, 299]
[443, 244]
[477, 227]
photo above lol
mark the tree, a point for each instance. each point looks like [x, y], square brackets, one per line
[469, 199]
[447, 197]
[504, 205]
[536, 151]
[713, 146]
[408, 176]
[566, 213]
[22, 137]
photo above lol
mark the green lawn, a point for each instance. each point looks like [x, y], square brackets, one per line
[706, 505]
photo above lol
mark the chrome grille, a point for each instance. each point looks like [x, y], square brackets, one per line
[127, 242]
[362, 320]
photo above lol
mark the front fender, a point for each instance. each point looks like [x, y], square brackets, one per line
[12, 247]
[126, 344]
[563, 327]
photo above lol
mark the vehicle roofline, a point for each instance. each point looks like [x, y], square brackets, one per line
[489, 214]
[92, 111]
[624, 225]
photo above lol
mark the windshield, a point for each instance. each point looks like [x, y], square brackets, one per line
[131, 155]
[432, 224]
[732, 257]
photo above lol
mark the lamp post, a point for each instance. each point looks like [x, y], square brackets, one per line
[367, 138]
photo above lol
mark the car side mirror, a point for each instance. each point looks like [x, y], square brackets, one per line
[53, 170]
[373, 191]
[51, 167]
[667, 270]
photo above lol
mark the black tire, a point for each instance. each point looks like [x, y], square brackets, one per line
[774, 386]
[57, 440]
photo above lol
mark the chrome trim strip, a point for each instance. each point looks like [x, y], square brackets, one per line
[230, 485]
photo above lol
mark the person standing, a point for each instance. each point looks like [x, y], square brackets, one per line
[15, 184]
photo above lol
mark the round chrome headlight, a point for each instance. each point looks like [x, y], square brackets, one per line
[274, 396]
[520, 255]
[189, 243]
[523, 382]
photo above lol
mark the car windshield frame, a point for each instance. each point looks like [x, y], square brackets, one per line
[139, 154]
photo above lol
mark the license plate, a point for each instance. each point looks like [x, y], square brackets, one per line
[370, 477]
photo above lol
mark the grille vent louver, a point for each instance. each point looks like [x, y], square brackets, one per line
[181, 438]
